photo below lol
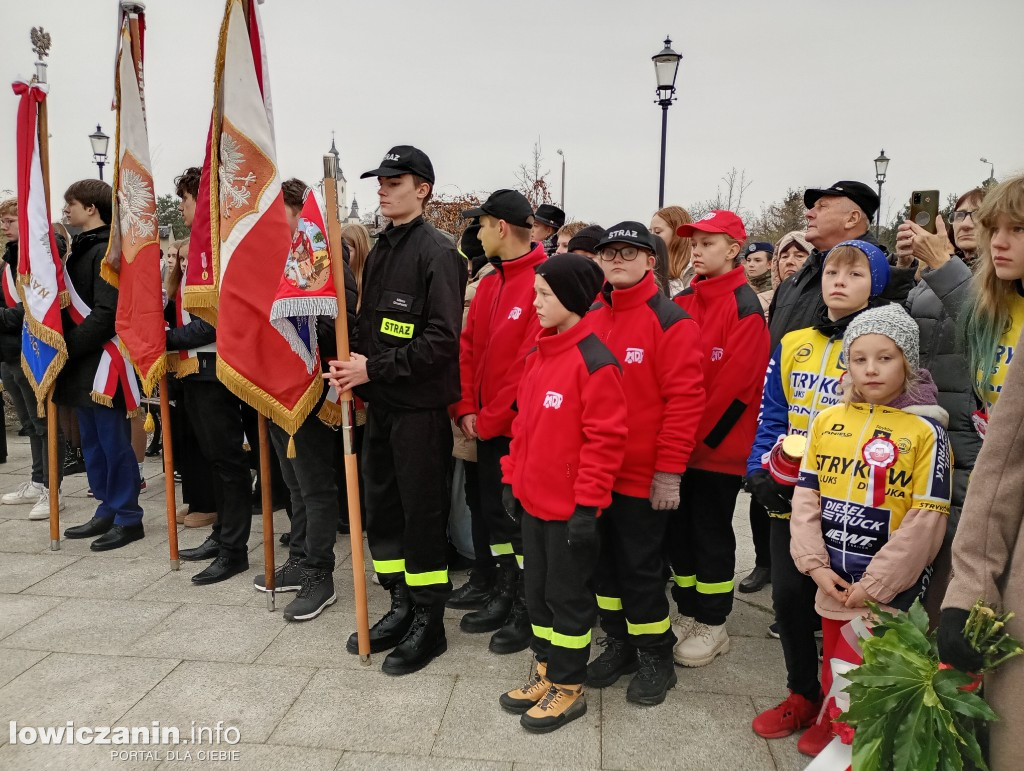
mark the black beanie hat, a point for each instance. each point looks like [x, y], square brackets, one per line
[574, 278]
[587, 239]
[470, 245]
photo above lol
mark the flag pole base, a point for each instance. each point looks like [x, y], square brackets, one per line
[175, 565]
[270, 600]
[365, 660]
[55, 545]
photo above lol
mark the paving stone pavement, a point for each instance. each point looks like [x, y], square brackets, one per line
[118, 639]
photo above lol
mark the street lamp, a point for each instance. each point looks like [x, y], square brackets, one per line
[991, 171]
[666, 65]
[563, 178]
[99, 141]
[881, 166]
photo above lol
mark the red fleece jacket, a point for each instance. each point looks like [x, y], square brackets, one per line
[735, 340]
[658, 345]
[569, 436]
[500, 329]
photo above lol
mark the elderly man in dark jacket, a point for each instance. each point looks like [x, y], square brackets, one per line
[834, 214]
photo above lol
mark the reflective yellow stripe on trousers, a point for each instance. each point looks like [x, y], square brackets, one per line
[654, 627]
[389, 566]
[427, 579]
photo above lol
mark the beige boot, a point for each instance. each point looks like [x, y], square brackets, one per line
[560, 705]
[180, 513]
[199, 518]
[520, 699]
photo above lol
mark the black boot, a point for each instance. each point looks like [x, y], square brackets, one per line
[74, 461]
[473, 594]
[424, 642]
[393, 625]
[756, 581]
[618, 659]
[516, 633]
[492, 615]
[656, 674]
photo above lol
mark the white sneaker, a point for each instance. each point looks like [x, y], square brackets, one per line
[682, 626]
[29, 492]
[700, 648]
[42, 508]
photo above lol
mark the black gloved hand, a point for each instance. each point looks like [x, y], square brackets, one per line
[511, 505]
[769, 493]
[954, 649]
[581, 531]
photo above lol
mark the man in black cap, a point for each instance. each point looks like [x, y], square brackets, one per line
[500, 330]
[834, 214]
[408, 329]
[546, 221]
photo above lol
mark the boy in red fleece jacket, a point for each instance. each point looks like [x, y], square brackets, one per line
[568, 441]
[500, 329]
[659, 347]
[702, 545]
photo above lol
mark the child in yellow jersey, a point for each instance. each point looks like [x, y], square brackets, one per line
[870, 508]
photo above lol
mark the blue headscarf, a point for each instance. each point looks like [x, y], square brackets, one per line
[877, 263]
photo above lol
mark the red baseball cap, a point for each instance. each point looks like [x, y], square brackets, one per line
[716, 221]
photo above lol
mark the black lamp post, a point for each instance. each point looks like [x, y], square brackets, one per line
[991, 172]
[666, 65]
[99, 141]
[881, 165]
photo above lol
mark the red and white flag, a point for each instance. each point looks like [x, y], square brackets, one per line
[132, 263]
[249, 235]
[40, 272]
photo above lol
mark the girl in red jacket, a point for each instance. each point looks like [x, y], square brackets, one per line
[568, 440]
[702, 545]
[658, 345]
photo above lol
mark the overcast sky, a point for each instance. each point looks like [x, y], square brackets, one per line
[797, 93]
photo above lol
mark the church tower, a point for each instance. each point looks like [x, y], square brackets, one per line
[342, 183]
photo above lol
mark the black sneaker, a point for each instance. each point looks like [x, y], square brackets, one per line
[473, 594]
[618, 659]
[656, 673]
[315, 594]
[287, 578]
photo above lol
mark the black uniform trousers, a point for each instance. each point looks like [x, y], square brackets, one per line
[760, 531]
[483, 561]
[702, 545]
[406, 456]
[197, 488]
[312, 484]
[506, 540]
[216, 416]
[793, 599]
[558, 585]
[630, 580]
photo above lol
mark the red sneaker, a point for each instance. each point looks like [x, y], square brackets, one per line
[794, 713]
[816, 738]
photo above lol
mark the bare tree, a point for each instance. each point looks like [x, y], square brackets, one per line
[532, 181]
[778, 218]
[736, 184]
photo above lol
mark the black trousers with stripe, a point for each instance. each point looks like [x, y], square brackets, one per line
[406, 458]
[702, 545]
[630, 580]
[506, 540]
[559, 598]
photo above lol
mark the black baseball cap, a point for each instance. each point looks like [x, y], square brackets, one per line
[508, 205]
[404, 159]
[549, 215]
[634, 233]
[858, 192]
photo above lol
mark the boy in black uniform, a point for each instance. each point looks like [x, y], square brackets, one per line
[409, 323]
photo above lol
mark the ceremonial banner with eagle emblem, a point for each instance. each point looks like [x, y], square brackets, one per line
[248, 233]
[132, 263]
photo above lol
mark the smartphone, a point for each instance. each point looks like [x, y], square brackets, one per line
[924, 208]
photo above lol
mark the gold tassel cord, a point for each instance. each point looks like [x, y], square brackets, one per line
[150, 425]
[291, 448]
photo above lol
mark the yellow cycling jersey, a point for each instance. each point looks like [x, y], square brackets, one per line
[1004, 352]
[871, 465]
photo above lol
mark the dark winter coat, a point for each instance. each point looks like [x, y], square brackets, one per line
[935, 305]
[85, 341]
[11, 317]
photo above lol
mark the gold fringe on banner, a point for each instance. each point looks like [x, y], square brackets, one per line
[290, 420]
[52, 339]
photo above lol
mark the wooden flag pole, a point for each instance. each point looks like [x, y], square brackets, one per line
[268, 512]
[355, 519]
[41, 46]
[165, 429]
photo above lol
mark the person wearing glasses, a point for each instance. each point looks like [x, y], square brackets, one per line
[936, 305]
[658, 346]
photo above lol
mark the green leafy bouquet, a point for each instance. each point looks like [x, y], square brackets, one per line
[910, 712]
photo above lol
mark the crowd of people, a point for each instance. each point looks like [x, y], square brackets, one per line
[577, 408]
